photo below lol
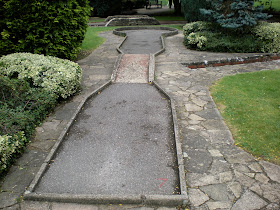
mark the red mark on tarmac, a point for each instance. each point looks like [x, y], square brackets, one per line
[164, 180]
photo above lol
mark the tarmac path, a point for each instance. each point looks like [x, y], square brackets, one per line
[122, 142]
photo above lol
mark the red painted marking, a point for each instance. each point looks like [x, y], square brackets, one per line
[164, 180]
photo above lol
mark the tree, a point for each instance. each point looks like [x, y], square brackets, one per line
[177, 7]
[104, 8]
[234, 14]
[191, 9]
[54, 28]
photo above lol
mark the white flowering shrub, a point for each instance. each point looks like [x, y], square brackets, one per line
[60, 77]
[9, 147]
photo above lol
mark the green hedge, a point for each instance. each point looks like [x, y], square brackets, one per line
[264, 37]
[50, 27]
[22, 108]
[58, 76]
[30, 86]
[9, 147]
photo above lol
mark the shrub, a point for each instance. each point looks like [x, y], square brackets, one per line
[54, 28]
[208, 37]
[9, 147]
[195, 40]
[22, 108]
[191, 9]
[57, 76]
[196, 27]
[269, 36]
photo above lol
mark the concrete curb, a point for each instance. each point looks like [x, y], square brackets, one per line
[165, 200]
[233, 61]
[180, 159]
[117, 64]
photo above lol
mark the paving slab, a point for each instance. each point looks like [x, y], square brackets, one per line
[229, 176]
[121, 144]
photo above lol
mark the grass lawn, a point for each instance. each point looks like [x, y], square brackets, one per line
[92, 39]
[96, 20]
[250, 105]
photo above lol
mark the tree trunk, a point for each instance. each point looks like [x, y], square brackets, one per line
[177, 7]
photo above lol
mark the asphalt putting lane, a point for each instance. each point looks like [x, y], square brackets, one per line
[122, 143]
[146, 41]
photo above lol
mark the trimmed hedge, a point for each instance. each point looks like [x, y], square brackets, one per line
[54, 28]
[58, 76]
[205, 36]
[30, 86]
[22, 108]
[269, 36]
[9, 147]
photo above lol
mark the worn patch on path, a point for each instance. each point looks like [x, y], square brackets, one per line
[133, 69]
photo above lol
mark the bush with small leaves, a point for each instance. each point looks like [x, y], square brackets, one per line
[264, 37]
[58, 76]
[10, 146]
[269, 36]
[54, 28]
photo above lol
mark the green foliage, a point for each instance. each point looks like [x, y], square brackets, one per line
[30, 86]
[57, 76]
[9, 147]
[54, 28]
[234, 14]
[196, 27]
[22, 108]
[104, 8]
[269, 36]
[191, 9]
[209, 37]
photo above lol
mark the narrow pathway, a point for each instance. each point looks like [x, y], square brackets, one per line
[122, 142]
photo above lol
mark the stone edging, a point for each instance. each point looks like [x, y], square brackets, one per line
[166, 200]
[233, 61]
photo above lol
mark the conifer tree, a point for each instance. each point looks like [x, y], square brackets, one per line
[234, 14]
